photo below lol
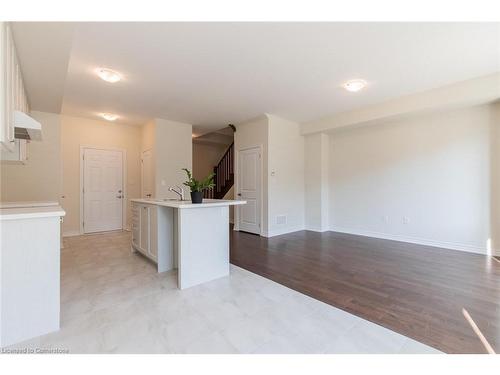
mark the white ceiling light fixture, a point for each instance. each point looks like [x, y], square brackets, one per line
[355, 85]
[109, 116]
[109, 75]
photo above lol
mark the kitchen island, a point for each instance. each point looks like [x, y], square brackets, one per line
[194, 238]
[29, 270]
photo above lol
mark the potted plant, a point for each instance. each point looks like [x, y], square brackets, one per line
[197, 187]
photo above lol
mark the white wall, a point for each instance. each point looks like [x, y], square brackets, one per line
[282, 171]
[170, 143]
[317, 161]
[205, 158]
[39, 179]
[53, 168]
[286, 176]
[249, 134]
[495, 180]
[76, 132]
[432, 169]
[173, 151]
[52, 171]
[148, 134]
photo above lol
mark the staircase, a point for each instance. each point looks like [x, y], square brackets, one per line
[224, 176]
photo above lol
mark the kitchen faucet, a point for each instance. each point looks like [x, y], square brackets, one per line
[179, 192]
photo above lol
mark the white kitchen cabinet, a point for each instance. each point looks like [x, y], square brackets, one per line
[18, 152]
[136, 222]
[146, 224]
[198, 234]
[12, 96]
[29, 271]
[144, 244]
[153, 233]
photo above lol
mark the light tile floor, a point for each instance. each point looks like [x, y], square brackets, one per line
[114, 301]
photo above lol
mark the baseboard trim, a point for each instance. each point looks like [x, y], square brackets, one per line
[415, 240]
[279, 232]
[71, 233]
[317, 230]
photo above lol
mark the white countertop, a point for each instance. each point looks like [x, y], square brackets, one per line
[16, 213]
[28, 204]
[188, 203]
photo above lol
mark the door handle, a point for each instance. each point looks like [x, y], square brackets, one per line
[119, 196]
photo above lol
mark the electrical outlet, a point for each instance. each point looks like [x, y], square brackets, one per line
[406, 220]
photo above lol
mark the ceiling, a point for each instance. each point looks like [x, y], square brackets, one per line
[212, 74]
[222, 137]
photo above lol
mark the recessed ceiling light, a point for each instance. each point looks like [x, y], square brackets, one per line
[109, 75]
[354, 85]
[109, 116]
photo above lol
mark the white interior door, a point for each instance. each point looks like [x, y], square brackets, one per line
[147, 174]
[102, 190]
[249, 187]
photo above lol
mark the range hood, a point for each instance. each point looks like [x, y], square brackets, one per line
[26, 127]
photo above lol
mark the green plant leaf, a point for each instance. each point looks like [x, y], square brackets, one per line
[196, 185]
[208, 182]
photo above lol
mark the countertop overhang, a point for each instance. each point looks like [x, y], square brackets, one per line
[17, 213]
[188, 204]
[28, 204]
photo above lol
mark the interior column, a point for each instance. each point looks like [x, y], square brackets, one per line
[317, 206]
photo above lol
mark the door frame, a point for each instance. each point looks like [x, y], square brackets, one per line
[237, 187]
[124, 181]
[142, 170]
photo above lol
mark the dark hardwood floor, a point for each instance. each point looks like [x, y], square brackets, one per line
[418, 291]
